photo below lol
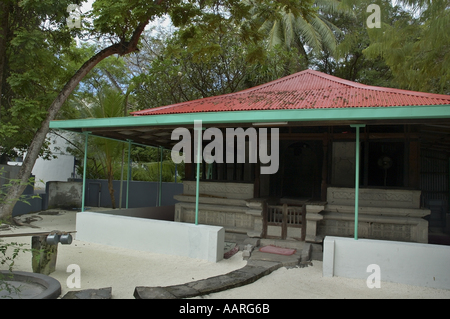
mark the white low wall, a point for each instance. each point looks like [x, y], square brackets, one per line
[157, 236]
[402, 262]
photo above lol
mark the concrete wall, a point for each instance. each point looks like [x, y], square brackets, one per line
[8, 172]
[56, 169]
[65, 195]
[156, 236]
[34, 205]
[407, 263]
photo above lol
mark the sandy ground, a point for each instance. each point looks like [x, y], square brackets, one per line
[123, 269]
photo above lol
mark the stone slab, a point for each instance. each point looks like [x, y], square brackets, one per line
[291, 260]
[371, 197]
[141, 292]
[102, 293]
[215, 284]
[182, 291]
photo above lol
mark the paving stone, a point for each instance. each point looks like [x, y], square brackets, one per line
[267, 264]
[287, 261]
[215, 284]
[182, 291]
[103, 293]
[152, 293]
[245, 277]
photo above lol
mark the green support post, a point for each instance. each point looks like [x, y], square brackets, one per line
[83, 191]
[357, 126]
[160, 175]
[129, 173]
[199, 147]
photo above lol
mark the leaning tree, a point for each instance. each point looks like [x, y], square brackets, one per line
[121, 23]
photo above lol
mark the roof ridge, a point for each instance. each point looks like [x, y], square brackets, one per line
[306, 84]
[379, 88]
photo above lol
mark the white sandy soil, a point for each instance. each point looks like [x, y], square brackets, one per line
[123, 269]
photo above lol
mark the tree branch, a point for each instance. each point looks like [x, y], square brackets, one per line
[121, 48]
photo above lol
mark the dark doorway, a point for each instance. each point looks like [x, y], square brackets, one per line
[301, 176]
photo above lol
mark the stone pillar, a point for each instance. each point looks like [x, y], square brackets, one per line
[256, 207]
[312, 217]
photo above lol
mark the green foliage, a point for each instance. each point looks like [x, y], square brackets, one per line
[416, 46]
[120, 18]
[349, 62]
[205, 65]
[300, 27]
[151, 171]
[35, 42]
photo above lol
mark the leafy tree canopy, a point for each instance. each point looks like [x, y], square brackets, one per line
[416, 46]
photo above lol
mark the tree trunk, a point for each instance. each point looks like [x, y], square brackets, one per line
[111, 191]
[16, 189]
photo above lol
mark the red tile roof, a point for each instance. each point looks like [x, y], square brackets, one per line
[304, 90]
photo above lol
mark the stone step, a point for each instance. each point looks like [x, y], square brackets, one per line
[286, 261]
[295, 244]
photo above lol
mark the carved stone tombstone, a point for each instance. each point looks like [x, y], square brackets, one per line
[44, 255]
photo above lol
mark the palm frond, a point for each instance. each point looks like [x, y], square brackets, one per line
[308, 34]
[275, 34]
[327, 37]
[289, 28]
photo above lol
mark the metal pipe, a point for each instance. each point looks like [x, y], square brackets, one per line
[357, 126]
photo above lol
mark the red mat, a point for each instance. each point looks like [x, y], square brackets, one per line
[277, 250]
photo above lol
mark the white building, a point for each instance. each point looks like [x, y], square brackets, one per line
[59, 169]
